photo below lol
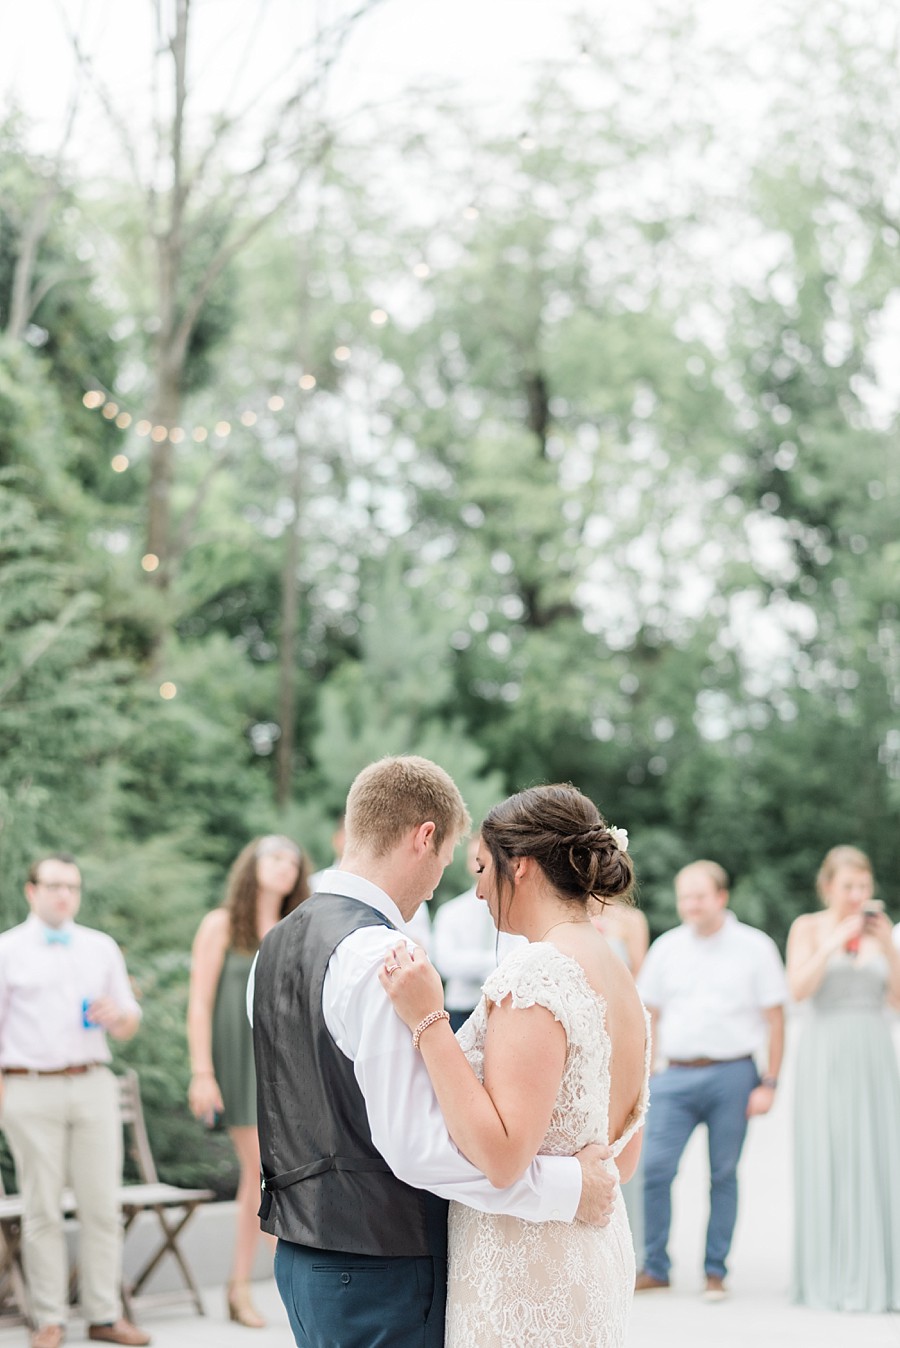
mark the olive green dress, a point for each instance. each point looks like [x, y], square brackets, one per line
[232, 1042]
[847, 1145]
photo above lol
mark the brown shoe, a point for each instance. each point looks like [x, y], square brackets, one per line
[715, 1288]
[123, 1331]
[645, 1282]
[48, 1336]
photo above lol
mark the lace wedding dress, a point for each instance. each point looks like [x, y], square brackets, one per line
[517, 1284]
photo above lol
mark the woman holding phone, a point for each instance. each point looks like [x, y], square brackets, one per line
[843, 961]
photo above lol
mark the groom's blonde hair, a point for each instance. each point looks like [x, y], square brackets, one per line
[395, 795]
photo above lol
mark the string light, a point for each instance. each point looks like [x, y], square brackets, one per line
[150, 561]
[526, 141]
[471, 213]
[97, 398]
[168, 690]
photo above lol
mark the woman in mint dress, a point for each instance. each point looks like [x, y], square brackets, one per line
[267, 881]
[843, 961]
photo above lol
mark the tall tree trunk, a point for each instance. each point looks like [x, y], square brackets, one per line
[287, 675]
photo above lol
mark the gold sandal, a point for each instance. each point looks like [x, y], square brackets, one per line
[241, 1307]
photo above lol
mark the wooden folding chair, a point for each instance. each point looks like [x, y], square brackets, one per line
[174, 1207]
[15, 1307]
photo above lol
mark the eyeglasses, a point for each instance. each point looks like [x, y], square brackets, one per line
[55, 885]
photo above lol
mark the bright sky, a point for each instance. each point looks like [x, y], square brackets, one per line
[490, 49]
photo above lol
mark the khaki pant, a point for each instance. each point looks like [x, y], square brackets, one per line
[67, 1130]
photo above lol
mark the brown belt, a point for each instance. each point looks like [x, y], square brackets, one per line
[707, 1062]
[76, 1070]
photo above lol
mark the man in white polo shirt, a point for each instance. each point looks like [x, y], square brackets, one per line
[715, 989]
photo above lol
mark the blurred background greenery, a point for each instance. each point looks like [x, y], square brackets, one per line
[563, 454]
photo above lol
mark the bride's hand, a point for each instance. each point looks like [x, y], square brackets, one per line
[412, 983]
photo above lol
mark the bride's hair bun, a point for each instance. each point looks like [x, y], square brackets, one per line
[568, 837]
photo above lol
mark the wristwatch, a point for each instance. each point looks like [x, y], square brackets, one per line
[771, 1082]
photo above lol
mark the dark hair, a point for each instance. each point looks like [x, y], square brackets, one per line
[35, 868]
[566, 835]
[241, 892]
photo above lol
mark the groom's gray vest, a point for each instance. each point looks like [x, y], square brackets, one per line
[324, 1183]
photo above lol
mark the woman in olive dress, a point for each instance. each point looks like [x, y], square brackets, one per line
[267, 881]
[844, 963]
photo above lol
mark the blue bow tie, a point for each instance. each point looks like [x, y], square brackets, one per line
[55, 936]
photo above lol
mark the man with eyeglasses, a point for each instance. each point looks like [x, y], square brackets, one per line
[63, 989]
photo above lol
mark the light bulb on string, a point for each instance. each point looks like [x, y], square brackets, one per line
[176, 435]
[143, 427]
[119, 463]
[307, 381]
[199, 434]
[123, 421]
[275, 403]
[150, 561]
[159, 434]
[168, 690]
[421, 269]
[471, 213]
[111, 410]
[342, 353]
[378, 318]
[248, 418]
[223, 428]
[93, 399]
[526, 141]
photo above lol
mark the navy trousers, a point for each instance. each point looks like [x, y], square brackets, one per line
[361, 1301]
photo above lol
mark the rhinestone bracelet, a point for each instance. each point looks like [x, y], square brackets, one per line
[431, 1019]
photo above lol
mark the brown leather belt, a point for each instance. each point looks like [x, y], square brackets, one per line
[707, 1062]
[76, 1070]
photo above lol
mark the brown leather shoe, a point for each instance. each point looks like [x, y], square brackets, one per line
[48, 1336]
[645, 1282]
[123, 1331]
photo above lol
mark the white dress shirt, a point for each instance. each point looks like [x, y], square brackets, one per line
[405, 1119]
[466, 948]
[44, 983]
[712, 992]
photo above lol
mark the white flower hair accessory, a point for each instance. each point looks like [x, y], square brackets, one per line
[620, 838]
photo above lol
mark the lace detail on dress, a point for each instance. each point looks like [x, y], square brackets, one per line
[517, 1284]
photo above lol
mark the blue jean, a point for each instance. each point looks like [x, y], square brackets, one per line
[336, 1300]
[680, 1099]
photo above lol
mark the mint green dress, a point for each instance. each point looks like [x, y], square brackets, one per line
[847, 1145]
[232, 1042]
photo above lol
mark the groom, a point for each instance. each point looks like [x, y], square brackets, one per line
[356, 1158]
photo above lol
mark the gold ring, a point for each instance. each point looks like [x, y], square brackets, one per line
[391, 969]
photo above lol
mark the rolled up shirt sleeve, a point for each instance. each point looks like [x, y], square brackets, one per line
[405, 1119]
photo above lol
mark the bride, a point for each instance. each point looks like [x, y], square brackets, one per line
[555, 1055]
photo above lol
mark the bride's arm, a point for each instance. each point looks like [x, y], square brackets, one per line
[498, 1126]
